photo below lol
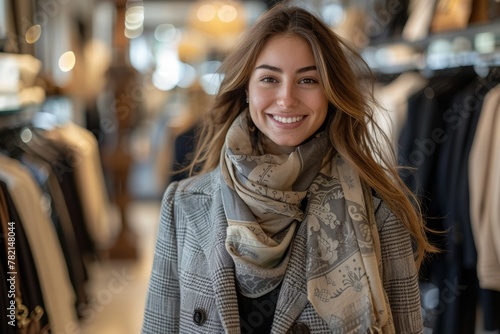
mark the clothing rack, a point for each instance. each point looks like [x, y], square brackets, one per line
[45, 156]
[443, 93]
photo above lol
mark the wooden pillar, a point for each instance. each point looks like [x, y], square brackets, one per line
[116, 157]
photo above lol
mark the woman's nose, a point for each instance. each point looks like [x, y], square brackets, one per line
[287, 96]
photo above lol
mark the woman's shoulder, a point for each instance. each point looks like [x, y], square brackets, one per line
[192, 194]
[202, 184]
[381, 209]
[388, 225]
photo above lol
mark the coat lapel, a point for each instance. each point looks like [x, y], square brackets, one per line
[293, 295]
[222, 269]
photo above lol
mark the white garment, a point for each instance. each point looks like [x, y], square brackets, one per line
[484, 184]
[418, 24]
[58, 294]
[393, 97]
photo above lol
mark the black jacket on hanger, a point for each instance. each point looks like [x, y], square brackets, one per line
[436, 140]
[28, 276]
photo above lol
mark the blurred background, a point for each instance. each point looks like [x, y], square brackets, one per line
[99, 103]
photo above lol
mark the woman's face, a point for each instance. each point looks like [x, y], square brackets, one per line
[286, 100]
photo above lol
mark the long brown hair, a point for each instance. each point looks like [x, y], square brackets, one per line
[350, 100]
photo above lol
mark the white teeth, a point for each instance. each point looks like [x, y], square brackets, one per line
[288, 119]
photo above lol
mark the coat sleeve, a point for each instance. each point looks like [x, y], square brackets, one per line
[163, 298]
[400, 275]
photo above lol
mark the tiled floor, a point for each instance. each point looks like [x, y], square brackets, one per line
[118, 288]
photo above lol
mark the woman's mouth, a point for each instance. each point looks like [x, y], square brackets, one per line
[288, 120]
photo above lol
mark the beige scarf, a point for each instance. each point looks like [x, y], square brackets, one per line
[262, 196]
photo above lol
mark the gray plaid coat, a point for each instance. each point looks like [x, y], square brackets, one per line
[192, 287]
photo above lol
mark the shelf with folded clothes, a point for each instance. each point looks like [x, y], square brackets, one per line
[420, 42]
[477, 45]
[20, 96]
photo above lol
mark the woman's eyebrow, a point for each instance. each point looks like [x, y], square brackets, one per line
[279, 70]
[307, 69]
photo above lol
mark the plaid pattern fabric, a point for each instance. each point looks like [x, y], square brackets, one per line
[193, 271]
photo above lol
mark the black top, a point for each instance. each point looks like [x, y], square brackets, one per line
[256, 314]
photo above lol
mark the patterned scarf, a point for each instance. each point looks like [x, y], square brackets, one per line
[262, 197]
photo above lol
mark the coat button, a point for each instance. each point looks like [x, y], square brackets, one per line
[300, 329]
[199, 316]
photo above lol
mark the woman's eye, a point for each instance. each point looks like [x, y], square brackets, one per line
[268, 79]
[308, 81]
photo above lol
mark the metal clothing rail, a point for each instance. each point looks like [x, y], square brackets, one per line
[19, 117]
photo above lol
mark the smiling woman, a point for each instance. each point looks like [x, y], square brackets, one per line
[286, 100]
[296, 221]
